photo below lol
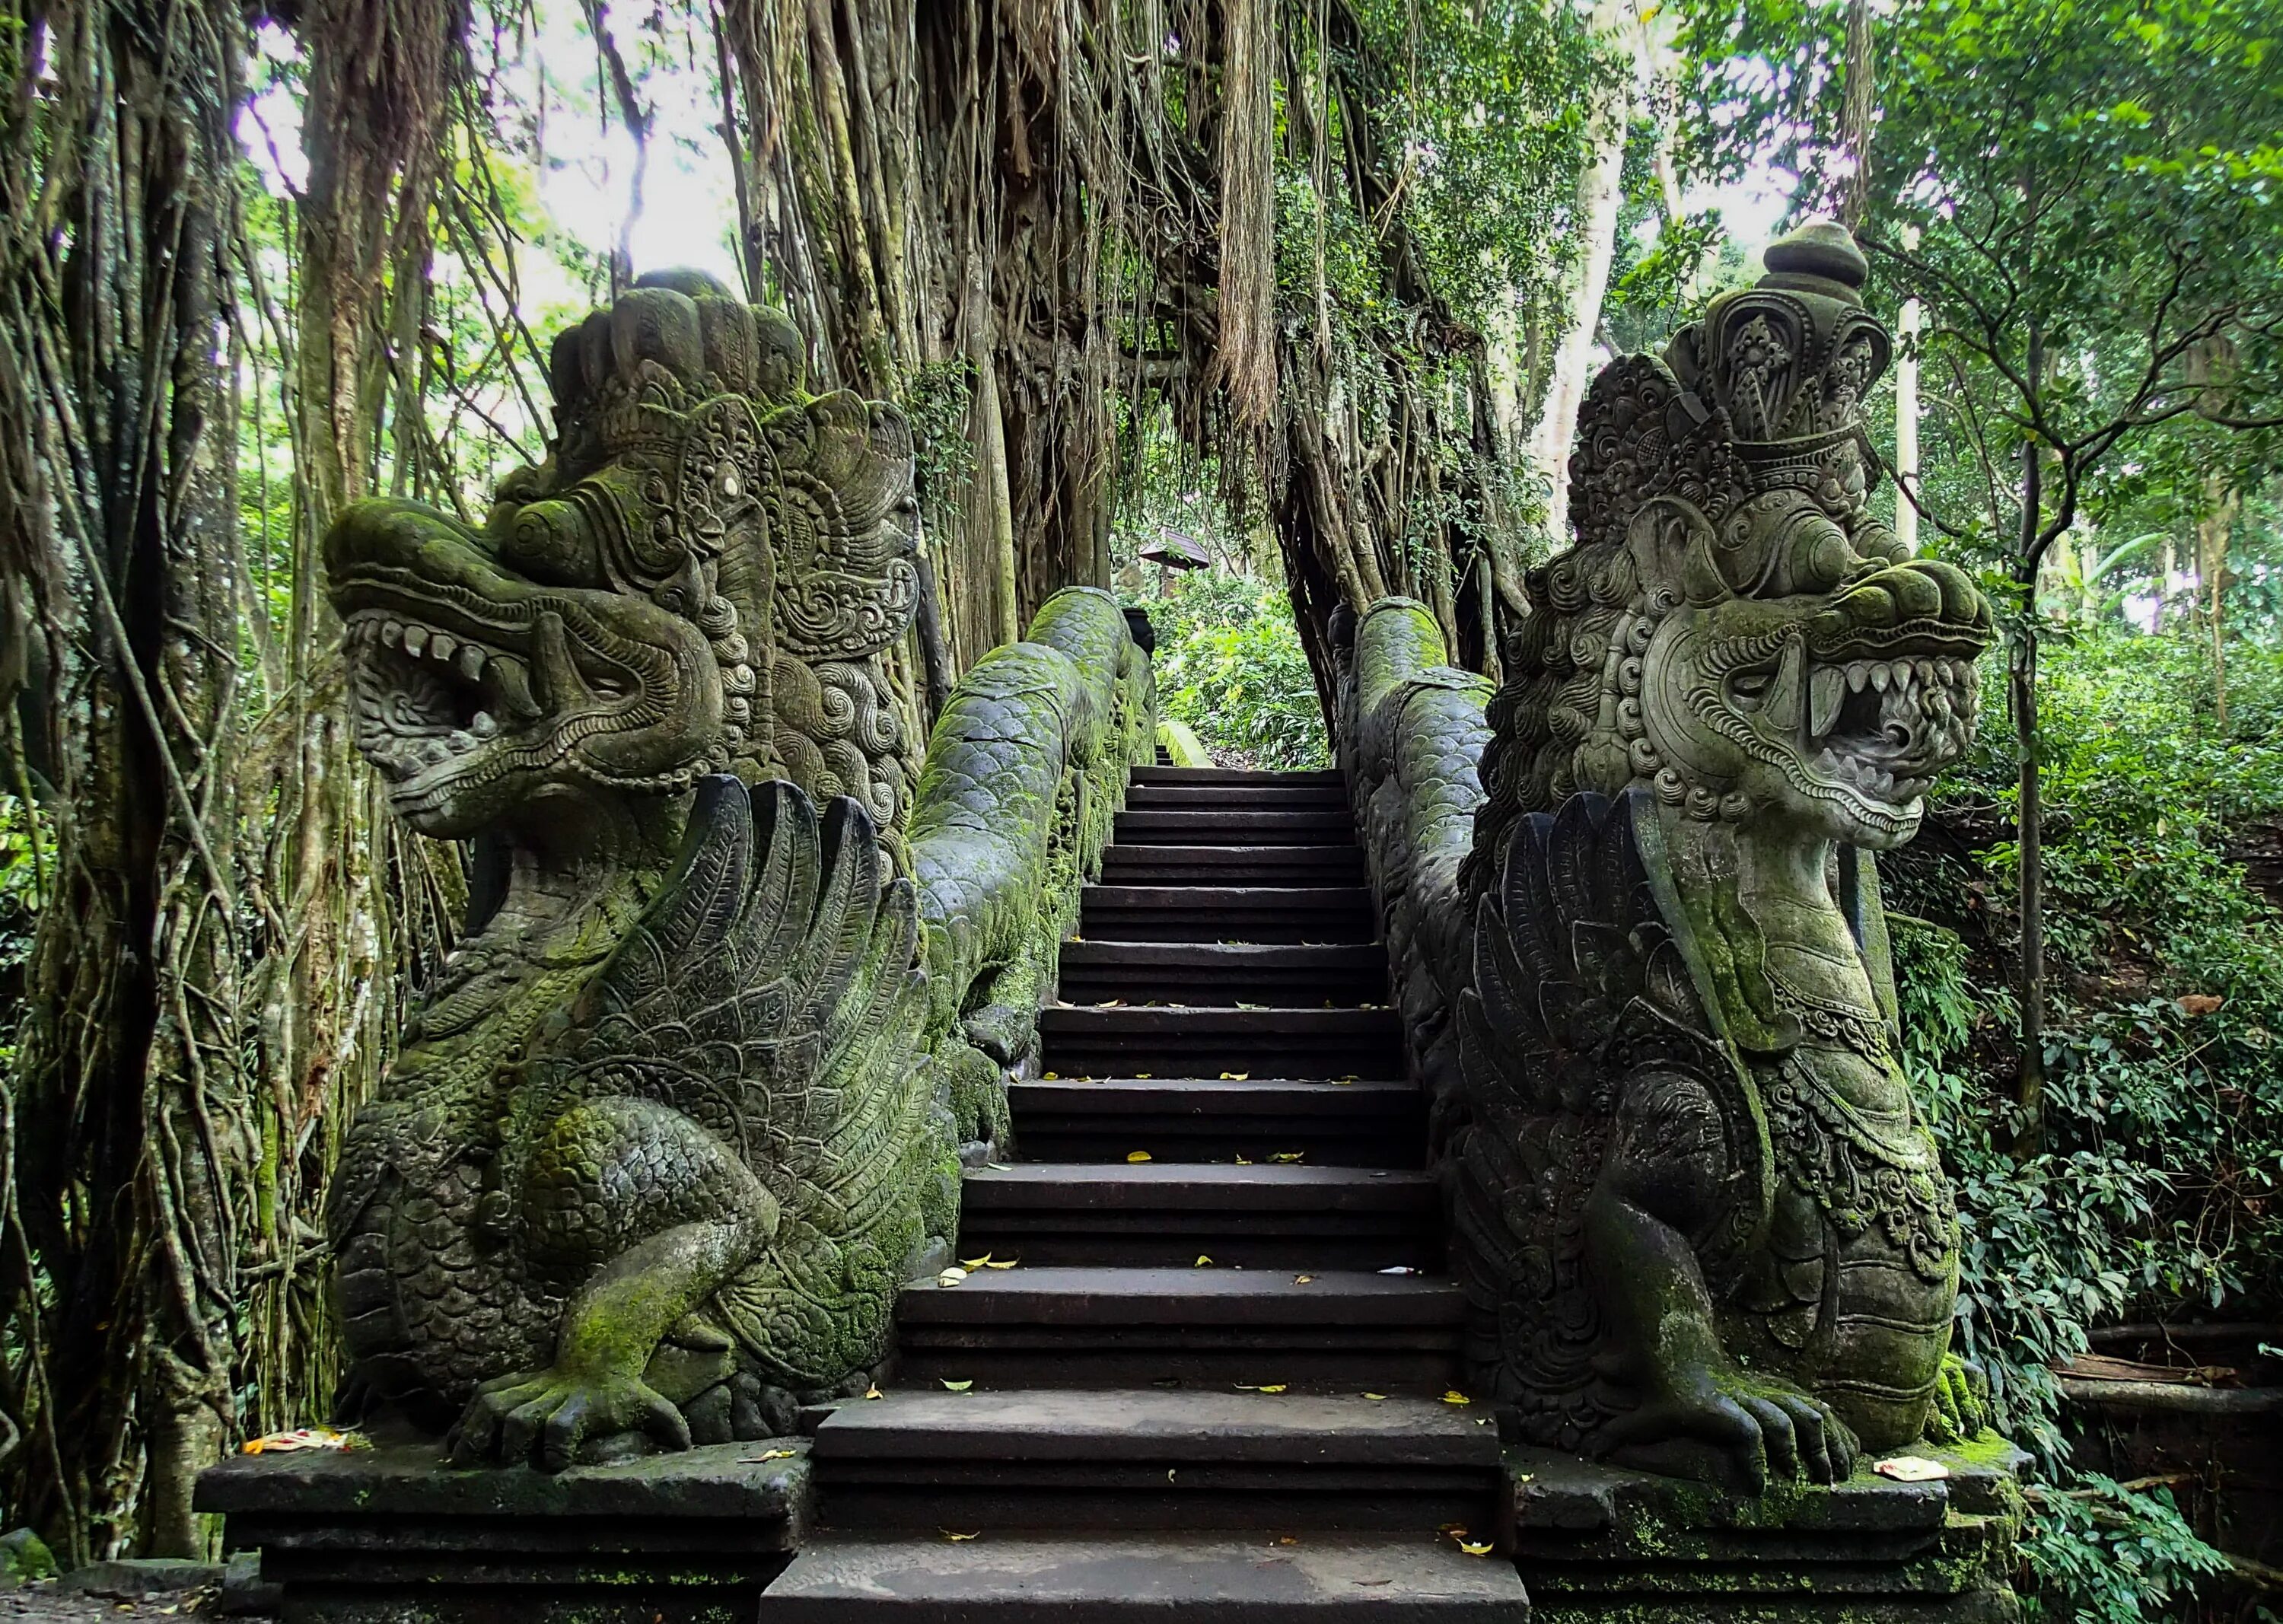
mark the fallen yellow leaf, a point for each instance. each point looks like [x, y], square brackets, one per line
[1275, 1386]
[975, 1262]
[1288, 1156]
[770, 1455]
[995, 1263]
[303, 1438]
[1456, 1397]
[873, 1393]
[1237, 1076]
[1138, 1156]
[1302, 1279]
[1244, 1161]
[958, 1386]
[1483, 1549]
[956, 1538]
[1203, 1260]
[1048, 1077]
[1142, 1077]
[1375, 1395]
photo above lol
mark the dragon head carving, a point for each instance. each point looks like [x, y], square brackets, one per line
[1735, 628]
[706, 538]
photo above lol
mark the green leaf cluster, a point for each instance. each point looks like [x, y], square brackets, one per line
[1230, 667]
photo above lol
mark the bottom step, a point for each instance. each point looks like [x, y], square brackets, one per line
[1179, 1578]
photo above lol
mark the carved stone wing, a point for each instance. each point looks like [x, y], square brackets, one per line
[1579, 989]
[771, 994]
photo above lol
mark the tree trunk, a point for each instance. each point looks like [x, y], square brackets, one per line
[2022, 679]
[130, 1147]
[1594, 219]
[2213, 532]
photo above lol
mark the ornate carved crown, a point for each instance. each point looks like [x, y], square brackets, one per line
[1790, 359]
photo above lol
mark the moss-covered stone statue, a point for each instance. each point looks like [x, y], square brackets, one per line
[661, 1140]
[1702, 1231]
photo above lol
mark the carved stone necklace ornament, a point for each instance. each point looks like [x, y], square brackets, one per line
[1700, 1227]
[659, 1143]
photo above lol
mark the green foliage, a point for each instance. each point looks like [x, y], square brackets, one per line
[1489, 123]
[2093, 188]
[2117, 1554]
[2157, 1192]
[938, 401]
[1230, 665]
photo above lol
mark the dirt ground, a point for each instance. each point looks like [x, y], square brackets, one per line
[45, 1603]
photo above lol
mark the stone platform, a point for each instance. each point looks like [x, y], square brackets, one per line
[393, 1536]
[1596, 1543]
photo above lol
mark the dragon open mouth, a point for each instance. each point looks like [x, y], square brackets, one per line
[1859, 706]
[472, 688]
[426, 699]
[1887, 727]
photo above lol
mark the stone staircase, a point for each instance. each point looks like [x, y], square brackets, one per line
[1213, 1385]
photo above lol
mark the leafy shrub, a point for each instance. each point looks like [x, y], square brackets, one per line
[1230, 667]
[2154, 1193]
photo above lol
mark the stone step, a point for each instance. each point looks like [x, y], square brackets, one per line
[1233, 866]
[1184, 1042]
[1381, 1124]
[1178, 1579]
[1231, 776]
[1051, 1327]
[1168, 1214]
[1213, 972]
[1039, 1459]
[1236, 797]
[1231, 913]
[1233, 826]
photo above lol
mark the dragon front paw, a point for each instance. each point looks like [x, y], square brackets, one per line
[546, 1418]
[1961, 1401]
[1757, 1431]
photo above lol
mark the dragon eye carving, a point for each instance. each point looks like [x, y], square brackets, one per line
[1748, 690]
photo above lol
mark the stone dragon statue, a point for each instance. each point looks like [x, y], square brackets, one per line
[1642, 956]
[1691, 1190]
[663, 1137]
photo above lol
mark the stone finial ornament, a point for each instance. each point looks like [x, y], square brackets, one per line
[1701, 1228]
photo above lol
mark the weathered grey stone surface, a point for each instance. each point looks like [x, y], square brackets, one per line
[733, 1481]
[1144, 1425]
[382, 1536]
[1320, 1578]
[1594, 1541]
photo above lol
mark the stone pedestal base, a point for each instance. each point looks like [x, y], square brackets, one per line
[392, 1535]
[1598, 1544]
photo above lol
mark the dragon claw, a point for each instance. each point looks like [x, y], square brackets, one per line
[1961, 1401]
[548, 1417]
[1762, 1429]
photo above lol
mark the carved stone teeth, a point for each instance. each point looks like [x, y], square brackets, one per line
[470, 662]
[442, 645]
[483, 726]
[434, 751]
[1826, 687]
[1881, 677]
[514, 684]
[462, 742]
[1858, 674]
[416, 639]
[392, 633]
[552, 663]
